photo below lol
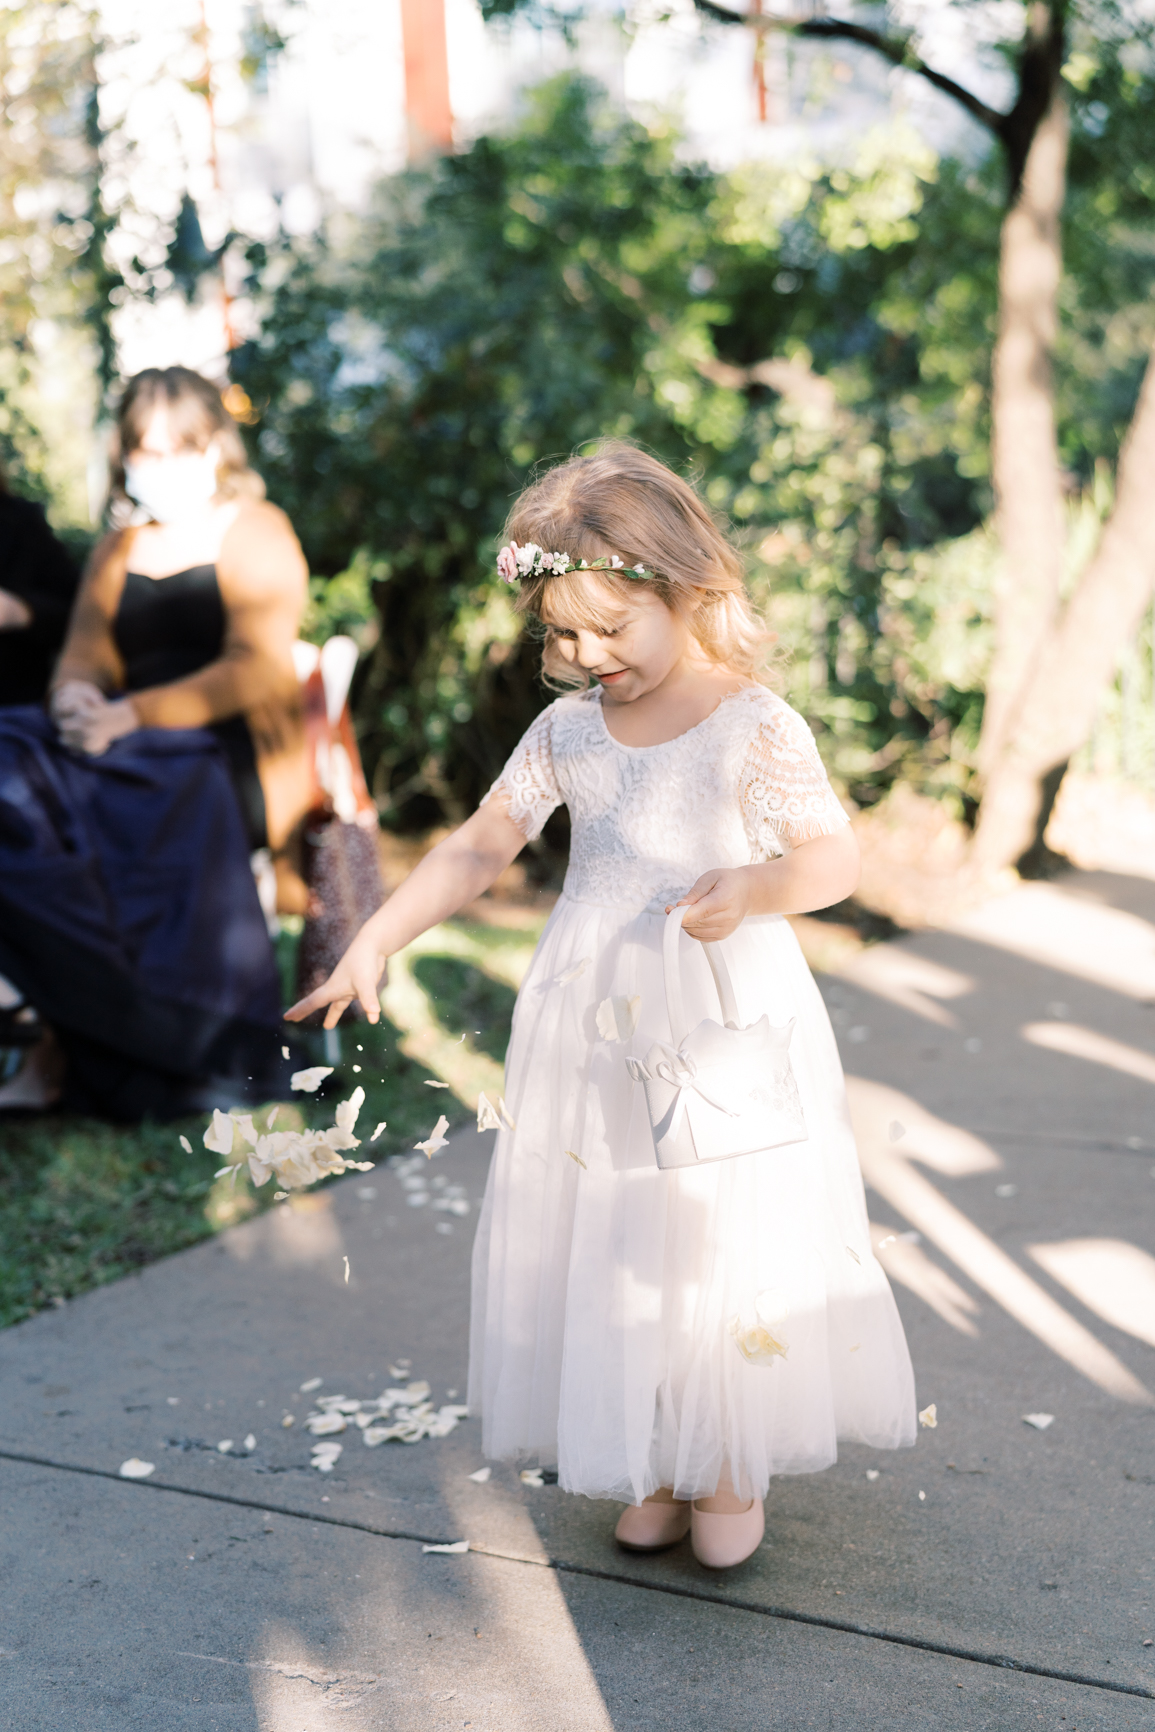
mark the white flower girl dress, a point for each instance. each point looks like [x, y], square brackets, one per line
[640, 1328]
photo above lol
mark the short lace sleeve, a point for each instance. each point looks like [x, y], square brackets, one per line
[528, 783]
[784, 788]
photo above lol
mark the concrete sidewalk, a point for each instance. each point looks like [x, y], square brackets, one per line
[246, 1590]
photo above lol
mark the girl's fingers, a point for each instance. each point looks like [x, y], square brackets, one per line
[336, 1011]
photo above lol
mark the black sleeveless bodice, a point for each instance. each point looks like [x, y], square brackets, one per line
[168, 628]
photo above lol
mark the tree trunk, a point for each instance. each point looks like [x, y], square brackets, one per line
[1025, 460]
[1056, 710]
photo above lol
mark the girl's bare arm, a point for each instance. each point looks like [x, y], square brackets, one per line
[813, 875]
[452, 874]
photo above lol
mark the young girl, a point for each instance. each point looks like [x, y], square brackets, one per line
[672, 1338]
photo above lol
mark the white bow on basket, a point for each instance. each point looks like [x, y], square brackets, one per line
[721, 1090]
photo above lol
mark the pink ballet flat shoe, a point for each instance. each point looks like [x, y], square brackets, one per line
[721, 1541]
[651, 1527]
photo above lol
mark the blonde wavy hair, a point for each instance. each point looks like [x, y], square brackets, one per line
[621, 501]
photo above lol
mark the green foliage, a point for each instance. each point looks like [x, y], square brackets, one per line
[574, 278]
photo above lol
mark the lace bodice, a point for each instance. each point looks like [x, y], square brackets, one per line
[648, 820]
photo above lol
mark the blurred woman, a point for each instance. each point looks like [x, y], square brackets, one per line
[129, 917]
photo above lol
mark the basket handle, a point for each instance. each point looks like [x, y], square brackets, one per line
[672, 970]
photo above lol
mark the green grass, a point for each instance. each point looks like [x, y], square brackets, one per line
[83, 1202]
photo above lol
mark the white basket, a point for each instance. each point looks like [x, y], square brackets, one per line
[720, 1090]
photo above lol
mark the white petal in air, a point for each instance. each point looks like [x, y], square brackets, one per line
[487, 1119]
[578, 1159]
[431, 1084]
[325, 1424]
[313, 1383]
[617, 1018]
[435, 1140]
[481, 1477]
[346, 1262]
[218, 1139]
[134, 1468]
[1040, 1421]
[929, 1417]
[272, 1119]
[284, 1052]
[377, 1132]
[251, 1441]
[186, 1145]
[308, 1081]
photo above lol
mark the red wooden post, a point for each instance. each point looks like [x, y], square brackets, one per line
[429, 117]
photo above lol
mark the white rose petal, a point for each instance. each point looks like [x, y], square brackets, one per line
[250, 1441]
[430, 1083]
[578, 1159]
[531, 1476]
[134, 1468]
[186, 1145]
[218, 1139]
[929, 1417]
[377, 1132]
[313, 1383]
[225, 1445]
[436, 1138]
[324, 1424]
[1040, 1421]
[617, 1018]
[481, 1477]
[309, 1081]
[456, 1548]
[505, 1113]
[573, 972]
[487, 1117]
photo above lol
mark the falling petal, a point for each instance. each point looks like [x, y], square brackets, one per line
[922, 1497]
[251, 1441]
[572, 973]
[288, 1421]
[186, 1145]
[578, 1159]
[134, 1468]
[481, 1477]
[872, 1473]
[430, 1083]
[456, 1548]
[284, 1052]
[218, 1139]
[313, 1383]
[225, 1445]
[435, 1140]
[1040, 1421]
[531, 1476]
[505, 1113]
[377, 1132]
[487, 1115]
[346, 1262]
[272, 1119]
[929, 1417]
[757, 1344]
[854, 1254]
[309, 1081]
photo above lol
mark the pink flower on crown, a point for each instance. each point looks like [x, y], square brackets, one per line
[507, 563]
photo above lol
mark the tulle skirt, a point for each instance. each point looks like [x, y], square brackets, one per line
[609, 1297]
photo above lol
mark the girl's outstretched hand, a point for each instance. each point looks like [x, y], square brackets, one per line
[718, 903]
[355, 977]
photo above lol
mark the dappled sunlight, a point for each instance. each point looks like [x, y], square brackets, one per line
[1073, 1041]
[296, 1233]
[923, 1137]
[909, 1265]
[294, 1690]
[1112, 1278]
[889, 1172]
[1050, 924]
[904, 978]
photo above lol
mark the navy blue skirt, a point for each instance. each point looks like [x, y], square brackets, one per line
[129, 919]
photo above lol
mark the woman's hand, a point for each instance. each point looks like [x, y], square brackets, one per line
[356, 976]
[719, 902]
[15, 614]
[75, 698]
[93, 730]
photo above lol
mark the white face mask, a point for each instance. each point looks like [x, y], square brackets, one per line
[173, 488]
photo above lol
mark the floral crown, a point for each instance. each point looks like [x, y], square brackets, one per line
[515, 563]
